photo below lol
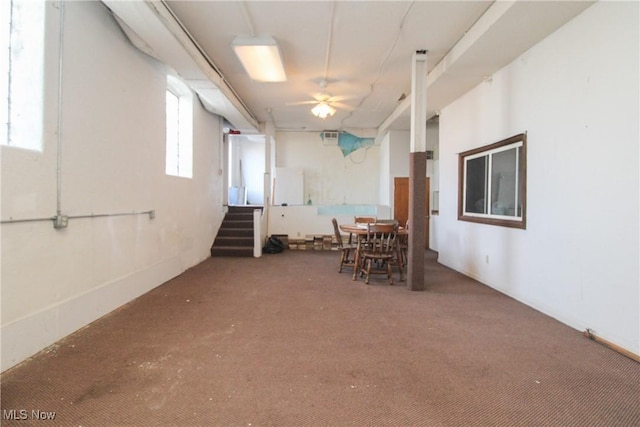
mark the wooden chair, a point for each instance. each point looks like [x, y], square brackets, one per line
[345, 249]
[380, 250]
[362, 240]
[365, 219]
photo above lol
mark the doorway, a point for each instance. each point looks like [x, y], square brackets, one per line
[401, 204]
[246, 166]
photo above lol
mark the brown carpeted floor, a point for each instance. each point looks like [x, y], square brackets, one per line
[284, 340]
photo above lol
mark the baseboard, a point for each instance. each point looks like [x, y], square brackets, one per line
[27, 336]
[621, 345]
[615, 347]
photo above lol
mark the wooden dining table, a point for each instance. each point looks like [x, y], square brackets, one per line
[360, 231]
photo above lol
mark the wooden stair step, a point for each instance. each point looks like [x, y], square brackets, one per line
[243, 209]
[235, 232]
[239, 217]
[233, 241]
[232, 251]
[236, 224]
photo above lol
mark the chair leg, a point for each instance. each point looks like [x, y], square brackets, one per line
[389, 273]
[369, 261]
[341, 262]
[402, 262]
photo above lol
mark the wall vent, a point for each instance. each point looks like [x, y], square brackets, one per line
[330, 137]
[429, 154]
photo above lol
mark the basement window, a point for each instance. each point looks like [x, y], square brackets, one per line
[22, 69]
[179, 128]
[492, 183]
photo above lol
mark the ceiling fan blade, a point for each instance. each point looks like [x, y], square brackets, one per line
[342, 98]
[342, 106]
[301, 103]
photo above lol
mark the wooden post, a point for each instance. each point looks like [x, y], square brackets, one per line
[417, 172]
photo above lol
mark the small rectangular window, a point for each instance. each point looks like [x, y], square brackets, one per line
[22, 68]
[173, 134]
[492, 183]
[179, 136]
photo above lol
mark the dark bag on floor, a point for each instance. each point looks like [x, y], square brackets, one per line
[273, 246]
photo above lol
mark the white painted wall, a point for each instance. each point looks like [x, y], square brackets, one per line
[399, 142]
[330, 178]
[386, 185]
[253, 158]
[299, 221]
[433, 172]
[576, 94]
[113, 119]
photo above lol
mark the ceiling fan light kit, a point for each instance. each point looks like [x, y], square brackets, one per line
[323, 110]
[260, 56]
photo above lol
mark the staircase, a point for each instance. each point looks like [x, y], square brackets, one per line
[235, 237]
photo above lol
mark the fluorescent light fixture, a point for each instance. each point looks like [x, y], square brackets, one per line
[260, 57]
[323, 110]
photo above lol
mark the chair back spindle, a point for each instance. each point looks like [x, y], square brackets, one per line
[382, 238]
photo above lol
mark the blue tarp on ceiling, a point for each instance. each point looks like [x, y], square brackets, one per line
[349, 143]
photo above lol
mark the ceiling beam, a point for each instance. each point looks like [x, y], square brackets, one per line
[399, 111]
[481, 26]
[488, 45]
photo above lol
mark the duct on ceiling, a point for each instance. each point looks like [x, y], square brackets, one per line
[152, 28]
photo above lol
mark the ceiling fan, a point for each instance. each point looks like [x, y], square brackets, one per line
[326, 104]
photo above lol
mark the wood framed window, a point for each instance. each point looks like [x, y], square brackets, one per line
[492, 183]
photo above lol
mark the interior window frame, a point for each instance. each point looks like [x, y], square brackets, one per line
[520, 222]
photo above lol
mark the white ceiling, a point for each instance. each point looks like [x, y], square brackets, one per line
[364, 51]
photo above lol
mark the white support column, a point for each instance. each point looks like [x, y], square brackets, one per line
[417, 173]
[419, 102]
